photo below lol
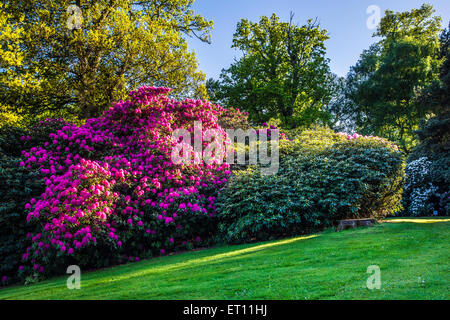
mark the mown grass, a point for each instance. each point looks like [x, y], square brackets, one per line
[413, 255]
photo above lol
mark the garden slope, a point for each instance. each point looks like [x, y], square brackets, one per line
[413, 255]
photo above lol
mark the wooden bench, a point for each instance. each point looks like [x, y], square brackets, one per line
[354, 223]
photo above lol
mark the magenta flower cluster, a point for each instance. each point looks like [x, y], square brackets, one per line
[111, 185]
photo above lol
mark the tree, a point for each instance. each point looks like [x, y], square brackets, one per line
[212, 89]
[436, 97]
[385, 82]
[283, 72]
[434, 133]
[340, 107]
[54, 66]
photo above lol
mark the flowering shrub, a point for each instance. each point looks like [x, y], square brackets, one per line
[434, 145]
[358, 137]
[111, 191]
[233, 118]
[420, 196]
[323, 177]
[18, 185]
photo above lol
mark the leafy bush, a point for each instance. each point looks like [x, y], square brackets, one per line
[323, 177]
[233, 118]
[444, 203]
[420, 194]
[18, 185]
[111, 192]
[432, 196]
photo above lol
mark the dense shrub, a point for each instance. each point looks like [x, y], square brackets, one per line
[421, 197]
[111, 192]
[18, 185]
[323, 177]
[428, 170]
[233, 118]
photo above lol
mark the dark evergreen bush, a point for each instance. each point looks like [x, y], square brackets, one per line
[323, 177]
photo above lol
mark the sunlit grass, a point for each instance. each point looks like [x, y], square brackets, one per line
[418, 220]
[413, 258]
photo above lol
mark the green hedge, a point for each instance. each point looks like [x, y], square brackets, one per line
[323, 177]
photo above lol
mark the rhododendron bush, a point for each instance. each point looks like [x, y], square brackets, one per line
[323, 177]
[113, 194]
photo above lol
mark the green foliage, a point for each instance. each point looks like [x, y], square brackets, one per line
[434, 137]
[385, 82]
[233, 118]
[419, 196]
[341, 108]
[323, 177]
[49, 70]
[283, 72]
[18, 185]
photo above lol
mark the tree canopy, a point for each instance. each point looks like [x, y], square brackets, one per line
[49, 65]
[283, 72]
[386, 81]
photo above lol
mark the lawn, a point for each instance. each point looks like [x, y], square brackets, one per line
[413, 255]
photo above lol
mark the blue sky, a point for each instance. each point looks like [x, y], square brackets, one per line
[345, 21]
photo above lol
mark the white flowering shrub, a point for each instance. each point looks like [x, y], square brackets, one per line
[419, 191]
[444, 203]
[420, 201]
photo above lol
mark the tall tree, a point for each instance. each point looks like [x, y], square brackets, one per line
[434, 133]
[79, 59]
[283, 72]
[387, 79]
